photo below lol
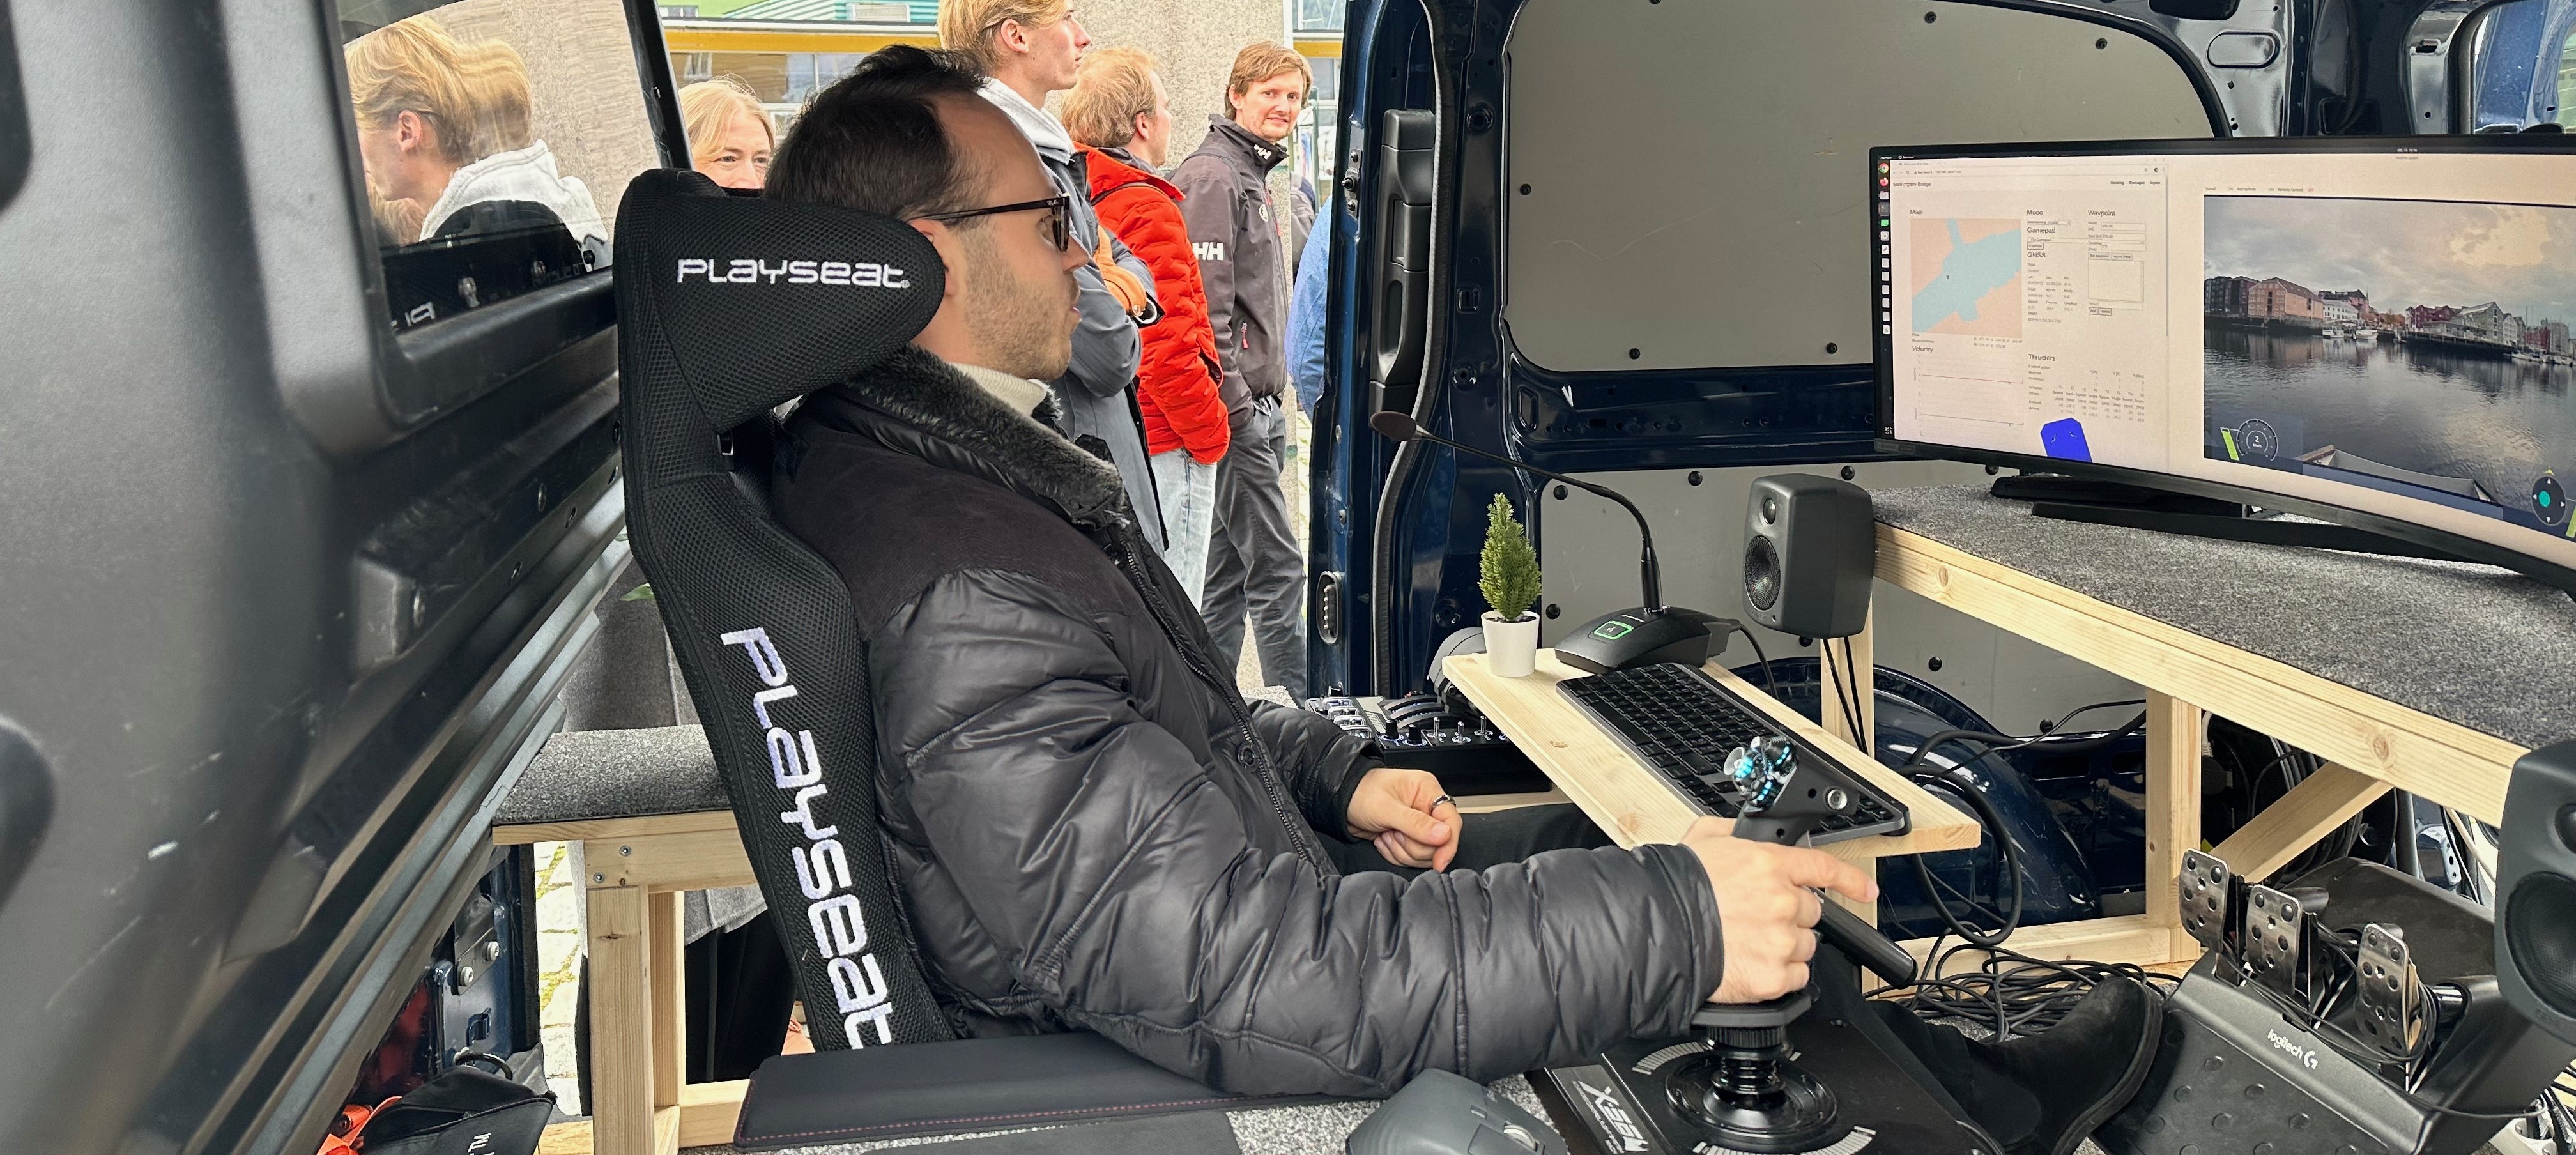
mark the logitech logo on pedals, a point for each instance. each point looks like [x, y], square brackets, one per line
[822, 865]
[2303, 1054]
[1618, 1127]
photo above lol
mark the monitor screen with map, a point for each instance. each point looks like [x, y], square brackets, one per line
[2375, 332]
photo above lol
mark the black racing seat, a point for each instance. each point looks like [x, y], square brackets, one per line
[729, 307]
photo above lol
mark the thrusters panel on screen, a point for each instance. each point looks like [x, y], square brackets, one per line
[2382, 330]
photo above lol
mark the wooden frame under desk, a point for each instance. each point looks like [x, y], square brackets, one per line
[2370, 744]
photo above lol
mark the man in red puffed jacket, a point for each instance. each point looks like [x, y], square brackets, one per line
[1120, 118]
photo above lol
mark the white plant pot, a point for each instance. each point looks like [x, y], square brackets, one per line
[1511, 648]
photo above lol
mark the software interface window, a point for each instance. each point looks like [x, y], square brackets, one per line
[2385, 331]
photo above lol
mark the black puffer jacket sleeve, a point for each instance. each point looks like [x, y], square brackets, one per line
[1320, 761]
[1106, 862]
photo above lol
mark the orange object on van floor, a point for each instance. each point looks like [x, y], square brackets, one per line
[343, 1137]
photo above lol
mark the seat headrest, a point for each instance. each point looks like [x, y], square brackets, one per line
[757, 302]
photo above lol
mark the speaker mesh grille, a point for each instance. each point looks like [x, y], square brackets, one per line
[2540, 931]
[1761, 572]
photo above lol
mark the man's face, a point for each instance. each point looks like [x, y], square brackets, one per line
[1055, 51]
[1269, 108]
[1153, 143]
[1015, 287]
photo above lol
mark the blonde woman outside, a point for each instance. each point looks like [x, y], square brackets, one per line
[447, 126]
[730, 138]
[1120, 117]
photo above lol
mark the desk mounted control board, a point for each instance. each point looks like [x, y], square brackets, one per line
[1726, 759]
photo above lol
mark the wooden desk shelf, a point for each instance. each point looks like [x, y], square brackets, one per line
[1631, 802]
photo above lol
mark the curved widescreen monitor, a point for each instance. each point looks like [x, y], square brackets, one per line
[2370, 331]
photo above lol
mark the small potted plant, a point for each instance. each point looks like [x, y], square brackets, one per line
[1510, 584]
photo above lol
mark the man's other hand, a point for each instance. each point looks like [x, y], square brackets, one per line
[1767, 907]
[1405, 813]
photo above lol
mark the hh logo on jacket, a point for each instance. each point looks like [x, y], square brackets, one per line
[1209, 250]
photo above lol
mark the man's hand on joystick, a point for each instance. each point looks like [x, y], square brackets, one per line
[1767, 907]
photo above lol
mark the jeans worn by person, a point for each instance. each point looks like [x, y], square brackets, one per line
[1188, 490]
[1253, 565]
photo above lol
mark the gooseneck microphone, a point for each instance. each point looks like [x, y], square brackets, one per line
[1644, 636]
[1396, 426]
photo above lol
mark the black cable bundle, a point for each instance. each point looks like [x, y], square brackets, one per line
[2009, 920]
[2010, 993]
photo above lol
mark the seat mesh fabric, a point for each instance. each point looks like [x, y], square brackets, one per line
[727, 308]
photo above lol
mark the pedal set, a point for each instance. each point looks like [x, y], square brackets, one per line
[2309, 1029]
[2275, 941]
[2390, 991]
[2213, 901]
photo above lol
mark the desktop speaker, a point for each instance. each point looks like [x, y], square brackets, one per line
[1810, 550]
[2535, 924]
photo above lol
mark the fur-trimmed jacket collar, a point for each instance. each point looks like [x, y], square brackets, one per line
[916, 403]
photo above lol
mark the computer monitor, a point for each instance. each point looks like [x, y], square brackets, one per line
[2375, 332]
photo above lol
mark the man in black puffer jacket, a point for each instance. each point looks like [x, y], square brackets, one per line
[1090, 827]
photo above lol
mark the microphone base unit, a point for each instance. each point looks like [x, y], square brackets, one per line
[1622, 639]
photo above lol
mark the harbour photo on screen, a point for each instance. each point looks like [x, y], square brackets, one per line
[2414, 347]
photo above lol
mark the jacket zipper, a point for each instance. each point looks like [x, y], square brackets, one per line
[1263, 770]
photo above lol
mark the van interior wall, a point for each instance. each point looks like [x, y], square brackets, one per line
[1687, 179]
[1588, 556]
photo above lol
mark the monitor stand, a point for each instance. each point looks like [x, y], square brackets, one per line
[2165, 511]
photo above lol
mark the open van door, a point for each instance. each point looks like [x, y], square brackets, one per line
[312, 477]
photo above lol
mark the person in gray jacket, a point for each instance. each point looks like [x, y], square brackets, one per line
[1253, 563]
[1027, 49]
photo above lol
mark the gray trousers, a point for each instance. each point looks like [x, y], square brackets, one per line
[1253, 564]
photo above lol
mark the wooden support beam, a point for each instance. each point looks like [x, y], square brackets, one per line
[709, 1111]
[1489, 803]
[2323, 801]
[701, 860]
[589, 829]
[621, 1022]
[2174, 729]
[670, 995]
[2449, 763]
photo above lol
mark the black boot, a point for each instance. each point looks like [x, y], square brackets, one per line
[2042, 1094]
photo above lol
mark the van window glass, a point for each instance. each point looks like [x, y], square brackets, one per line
[497, 137]
[1316, 144]
[2567, 82]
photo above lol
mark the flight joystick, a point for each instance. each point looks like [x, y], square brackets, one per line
[1744, 1091]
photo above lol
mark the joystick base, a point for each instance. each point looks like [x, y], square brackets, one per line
[1763, 1106]
[1624, 1100]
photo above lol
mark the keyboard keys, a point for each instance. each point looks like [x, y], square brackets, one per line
[1678, 721]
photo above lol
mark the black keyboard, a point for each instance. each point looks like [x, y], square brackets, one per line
[1680, 721]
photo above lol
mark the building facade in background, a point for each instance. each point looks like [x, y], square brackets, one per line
[787, 49]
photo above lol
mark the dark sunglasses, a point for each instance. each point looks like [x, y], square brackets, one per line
[1059, 216]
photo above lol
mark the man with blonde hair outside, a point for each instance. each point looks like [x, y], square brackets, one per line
[1234, 226]
[1026, 49]
[1120, 116]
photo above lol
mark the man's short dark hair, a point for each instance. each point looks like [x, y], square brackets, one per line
[873, 140]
